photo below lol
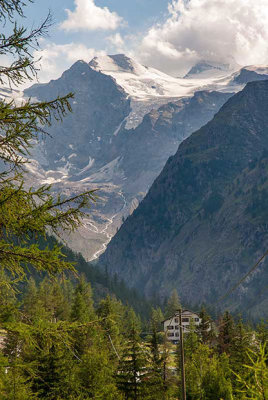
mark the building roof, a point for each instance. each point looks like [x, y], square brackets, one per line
[183, 312]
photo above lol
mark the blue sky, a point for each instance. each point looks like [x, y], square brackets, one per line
[138, 16]
[170, 35]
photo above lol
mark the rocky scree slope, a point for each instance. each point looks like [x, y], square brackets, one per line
[203, 223]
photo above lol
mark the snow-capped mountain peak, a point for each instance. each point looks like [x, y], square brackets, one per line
[203, 69]
[117, 63]
[139, 81]
[259, 69]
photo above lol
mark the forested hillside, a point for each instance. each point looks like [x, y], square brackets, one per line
[56, 344]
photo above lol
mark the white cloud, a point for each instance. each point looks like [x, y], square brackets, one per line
[218, 30]
[88, 16]
[56, 58]
[117, 42]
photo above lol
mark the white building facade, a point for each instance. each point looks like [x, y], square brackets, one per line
[172, 324]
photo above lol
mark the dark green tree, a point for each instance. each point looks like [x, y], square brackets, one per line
[95, 377]
[205, 328]
[241, 342]
[8, 301]
[111, 313]
[254, 383]
[82, 307]
[132, 369]
[226, 333]
[262, 332]
[27, 213]
[191, 340]
[173, 304]
[83, 314]
[155, 378]
[157, 318]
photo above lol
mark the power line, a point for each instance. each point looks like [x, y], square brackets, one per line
[113, 346]
[242, 279]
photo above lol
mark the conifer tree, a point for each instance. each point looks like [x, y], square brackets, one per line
[8, 301]
[132, 366]
[215, 385]
[111, 312]
[27, 213]
[53, 376]
[82, 313]
[205, 327]
[15, 386]
[173, 304]
[31, 301]
[82, 307]
[95, 377]
[254, 383]
[241, 342]
[155, 378]
[191, 341]
[262, 332]
[205, 376]
[226, 333]
[157, 318]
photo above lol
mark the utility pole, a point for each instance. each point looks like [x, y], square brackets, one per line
[182, 359]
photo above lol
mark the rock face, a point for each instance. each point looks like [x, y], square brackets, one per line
[203, 223]
[145, 150]
[248, 74]
[127, 120]
[99, 106]
[92, 147]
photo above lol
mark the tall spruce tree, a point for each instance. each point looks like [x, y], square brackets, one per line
[226, 333]
[205, 327]
[111, 313]
[155, 378]
[132, 369]
[191, 341]
[173, 304]
[82, 307]
[241, 343]
[83, 314]
[27, 213]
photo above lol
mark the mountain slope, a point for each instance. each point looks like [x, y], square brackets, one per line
[92, 147]
[99, 106]
[139, 81]
[199, 229]
[127, 120]
[146, 148]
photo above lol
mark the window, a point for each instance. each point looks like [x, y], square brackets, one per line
[176, 327]
[170, 327]
[196, 319]
[171, 334]
[185, 319]
[176, 320]
[177, 334]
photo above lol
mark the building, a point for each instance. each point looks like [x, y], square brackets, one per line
[172, 324]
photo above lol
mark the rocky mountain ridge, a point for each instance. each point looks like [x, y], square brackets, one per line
[116, 140]
[203, 223]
